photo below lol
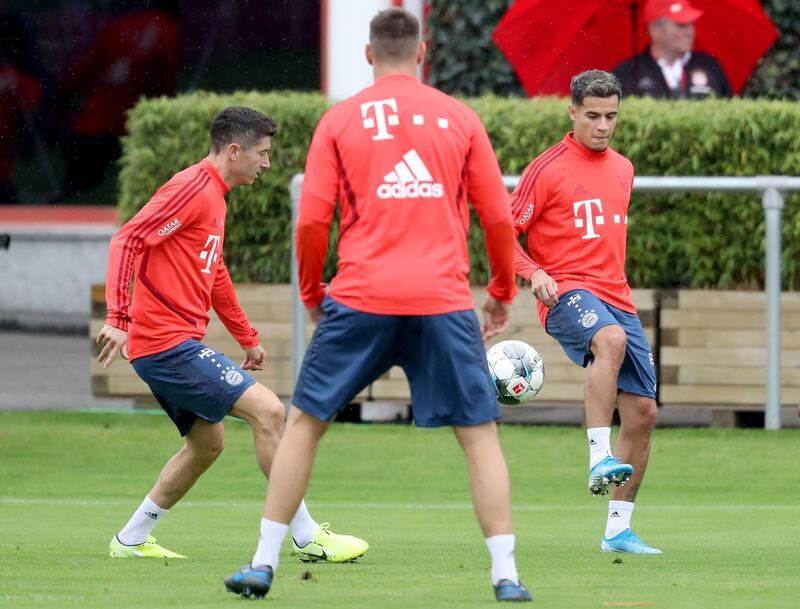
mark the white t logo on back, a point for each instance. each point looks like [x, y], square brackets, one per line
[210, 254]
[380, 118]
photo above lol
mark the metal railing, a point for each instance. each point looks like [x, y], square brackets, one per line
[772, 189]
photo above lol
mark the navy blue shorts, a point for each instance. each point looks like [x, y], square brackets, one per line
[442, 356]
[578, 316]
[191, 381]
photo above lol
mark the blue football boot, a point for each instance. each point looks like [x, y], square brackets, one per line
[250, 580]
[506, 590]
[607, 471]
[627, 542]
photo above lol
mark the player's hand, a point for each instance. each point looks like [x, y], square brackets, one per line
[114, 342]
[254, 358]
[544, 288]
[315, 313]
[496, 316]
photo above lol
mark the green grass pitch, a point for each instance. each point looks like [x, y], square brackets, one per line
[724, 505]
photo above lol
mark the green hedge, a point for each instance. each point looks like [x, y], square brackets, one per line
[696, 240]
[472, 65]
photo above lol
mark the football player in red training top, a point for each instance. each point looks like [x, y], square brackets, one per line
[174, 245]
[402, 158]
[572, 202]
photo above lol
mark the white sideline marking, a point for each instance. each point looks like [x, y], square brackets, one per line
[522, 507]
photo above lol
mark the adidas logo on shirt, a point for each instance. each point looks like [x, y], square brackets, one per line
[410, 179]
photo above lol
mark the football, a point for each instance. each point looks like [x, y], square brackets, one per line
[517, 371]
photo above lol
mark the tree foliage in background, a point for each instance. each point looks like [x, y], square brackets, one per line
[471, 64]
[463, 59]
[778, 74]
[695, 240]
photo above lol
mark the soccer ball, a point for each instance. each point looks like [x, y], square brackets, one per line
[517, 371]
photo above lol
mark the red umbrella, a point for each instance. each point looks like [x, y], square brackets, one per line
[548, 41]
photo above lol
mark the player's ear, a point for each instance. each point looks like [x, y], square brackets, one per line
[421, 49]
[573, 112]
[368, 54]
[234, 150]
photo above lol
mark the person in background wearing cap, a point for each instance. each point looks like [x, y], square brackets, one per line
[669, 67]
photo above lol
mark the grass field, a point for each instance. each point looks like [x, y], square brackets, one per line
[724, 505]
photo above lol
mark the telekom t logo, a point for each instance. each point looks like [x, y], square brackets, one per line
[585, 217]
[210, 254]
[380, 118]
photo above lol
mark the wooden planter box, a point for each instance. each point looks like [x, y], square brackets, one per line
[709, 346]
[269, 308]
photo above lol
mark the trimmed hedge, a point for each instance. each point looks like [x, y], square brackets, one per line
[694, 240]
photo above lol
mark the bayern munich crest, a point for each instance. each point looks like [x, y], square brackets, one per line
[233, 377]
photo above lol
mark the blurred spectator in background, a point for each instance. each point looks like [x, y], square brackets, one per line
[136, 54]
[669, 67]
[20, 95]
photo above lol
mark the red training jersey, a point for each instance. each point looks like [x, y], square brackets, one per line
[402, 158]
[174, 246]
[573, 204]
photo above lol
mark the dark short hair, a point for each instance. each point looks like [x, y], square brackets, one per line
[594, 83]
[394, 35]
[240, 125]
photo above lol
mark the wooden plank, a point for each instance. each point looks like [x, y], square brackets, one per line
[119, 386]
[722, 394]
[703, 337]
[729, 300]
[724, 356]
[733, 375]
[679, 318]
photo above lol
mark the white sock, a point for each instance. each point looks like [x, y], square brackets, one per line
[142, 523]
[619, 517]
[599, 444]
[269, 543]
[504, 566]
[303, 526]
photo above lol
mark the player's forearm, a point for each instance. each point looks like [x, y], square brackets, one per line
[226, 305]
[311, 240]
[118, 278]
[524, 265]
[499, 238]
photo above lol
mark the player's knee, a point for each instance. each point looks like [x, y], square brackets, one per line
[271, 413]
[650, 414]
[208, 452]
[610, 343]
[644, 416]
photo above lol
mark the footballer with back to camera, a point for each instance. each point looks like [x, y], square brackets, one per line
[402, 159]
